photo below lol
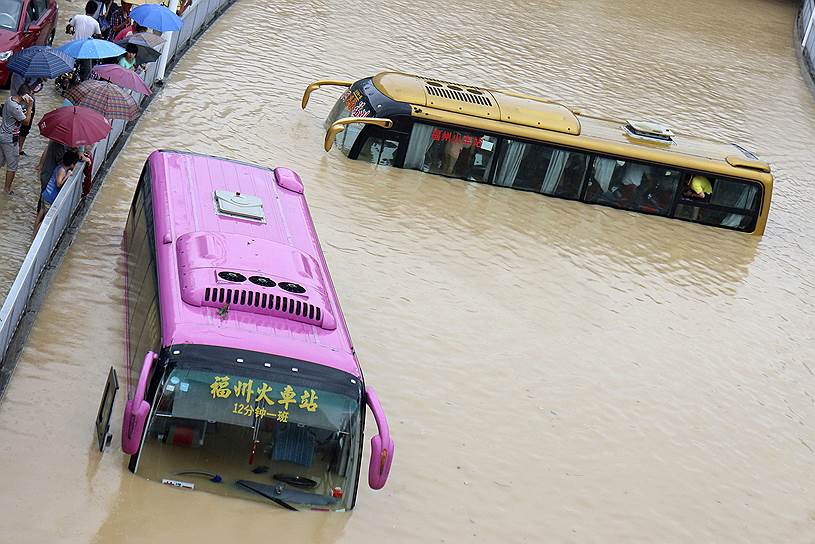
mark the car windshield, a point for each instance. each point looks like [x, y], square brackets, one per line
[10, 14]
[270, 437]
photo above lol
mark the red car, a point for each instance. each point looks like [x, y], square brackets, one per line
[24, 23]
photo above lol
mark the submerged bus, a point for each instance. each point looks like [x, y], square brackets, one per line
[241, 376]
[531, 144]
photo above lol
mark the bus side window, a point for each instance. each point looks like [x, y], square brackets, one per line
[541, 168]
[565, 174]
[632, 186]
[523, 165]
[732, 204]
[379, 151]
[450, 152]
[142, 289]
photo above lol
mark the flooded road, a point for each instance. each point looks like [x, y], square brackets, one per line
[553, 372]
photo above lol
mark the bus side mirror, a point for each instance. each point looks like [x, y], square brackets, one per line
[382, 445]
[317, 84]
[137, 409]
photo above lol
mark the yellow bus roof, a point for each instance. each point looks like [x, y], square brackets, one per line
[547, 121]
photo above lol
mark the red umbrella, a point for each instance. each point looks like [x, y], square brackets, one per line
[122, 77]
[74, 126]
[106, 98]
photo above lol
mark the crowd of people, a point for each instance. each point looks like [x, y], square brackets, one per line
[104, 19]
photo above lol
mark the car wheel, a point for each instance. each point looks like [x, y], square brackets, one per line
[51, 37]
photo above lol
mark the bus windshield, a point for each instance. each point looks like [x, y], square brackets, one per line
[268, 436]
[352, 103]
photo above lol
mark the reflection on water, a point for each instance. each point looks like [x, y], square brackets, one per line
[549, 368]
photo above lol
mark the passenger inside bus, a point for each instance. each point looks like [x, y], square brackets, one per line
[633, 186]
[699, 187]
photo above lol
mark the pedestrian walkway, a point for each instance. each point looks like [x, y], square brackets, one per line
[18, 211]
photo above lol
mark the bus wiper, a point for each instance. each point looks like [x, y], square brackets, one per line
[246, 485]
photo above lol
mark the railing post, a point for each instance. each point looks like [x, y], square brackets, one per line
[165, 50]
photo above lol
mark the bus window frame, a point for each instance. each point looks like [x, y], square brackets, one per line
[678, 197]
[489, 178]
[393, 133]
[142, 204]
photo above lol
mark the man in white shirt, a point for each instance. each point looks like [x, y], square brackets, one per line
[85, 26]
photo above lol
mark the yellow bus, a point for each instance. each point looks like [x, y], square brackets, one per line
[532, 144]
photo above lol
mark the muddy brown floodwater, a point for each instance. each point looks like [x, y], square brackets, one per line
[553, 372]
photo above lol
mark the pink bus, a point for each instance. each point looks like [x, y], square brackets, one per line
[241, 375]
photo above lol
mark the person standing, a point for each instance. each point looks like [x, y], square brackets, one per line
[115, 18]
[35, 84]
[84, 27]
[16, 110]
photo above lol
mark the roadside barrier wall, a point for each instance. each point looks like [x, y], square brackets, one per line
[69, 201]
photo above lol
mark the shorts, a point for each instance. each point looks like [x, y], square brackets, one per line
[25, 129]
[9, 155]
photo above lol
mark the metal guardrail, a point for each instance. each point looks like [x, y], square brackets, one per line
[69, 200]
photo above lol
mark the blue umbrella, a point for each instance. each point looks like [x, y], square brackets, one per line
[91, 49]
[40, 61]
[157, 17]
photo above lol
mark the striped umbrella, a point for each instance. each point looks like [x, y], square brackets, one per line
[147, 39]
[106, 98]
[40, 61]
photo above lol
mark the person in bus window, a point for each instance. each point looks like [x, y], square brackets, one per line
[699, 187]
[572, 178]
[452, 151]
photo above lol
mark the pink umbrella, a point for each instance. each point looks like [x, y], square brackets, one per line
[74, 126]
[122, 77]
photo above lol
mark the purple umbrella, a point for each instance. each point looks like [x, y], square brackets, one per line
[122, 77]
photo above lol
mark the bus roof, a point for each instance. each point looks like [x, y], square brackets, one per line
[239, 263]
[544, 120]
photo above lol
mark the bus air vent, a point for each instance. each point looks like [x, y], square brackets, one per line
[236, 277]
[239, 205]
[292, 287]
[647, 130]
[264, 302]
[454, 92]
[263, 281]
